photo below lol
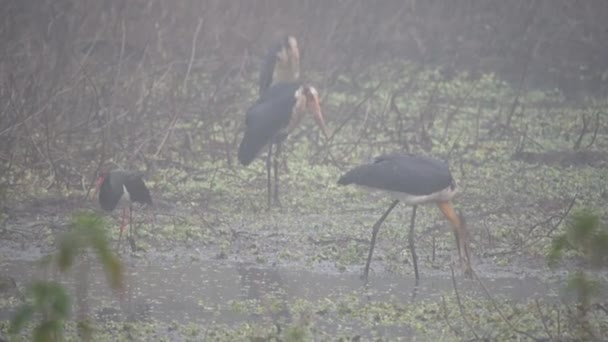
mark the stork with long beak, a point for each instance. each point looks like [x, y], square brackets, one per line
[268, 122]
[120, 188]
[413, 180]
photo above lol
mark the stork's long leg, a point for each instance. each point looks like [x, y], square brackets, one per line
[131, 232]
[374, 234]
[130, 219]
[268, 167]
[122, 225]
[412, 244]
[465, 244]
[277, 156]
[462, 236]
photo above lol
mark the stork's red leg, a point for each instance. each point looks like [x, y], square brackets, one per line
[462, 235]
[412, 244]
[375, 230]
[131, 232]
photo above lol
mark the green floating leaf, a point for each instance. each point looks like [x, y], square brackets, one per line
[21, 317]
[49, 331]
[88, 228]
[85, 330]
[60, 302]
[598, 252]
[53, 295]
[585, 235]
[582, 226]
[584, 287]
[68, 249]
[558, 245]
[114, 272]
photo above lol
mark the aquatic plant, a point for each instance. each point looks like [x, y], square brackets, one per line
[50, 300]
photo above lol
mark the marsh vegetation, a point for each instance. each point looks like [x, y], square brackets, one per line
[512, 94]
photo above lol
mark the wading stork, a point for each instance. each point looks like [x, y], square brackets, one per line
[120, 188]
[414, 180]
[281, 64]
[268, 122]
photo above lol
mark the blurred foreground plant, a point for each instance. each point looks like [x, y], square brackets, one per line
[50, 299]
[585, 236]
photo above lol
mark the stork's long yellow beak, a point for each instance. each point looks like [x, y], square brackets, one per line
[315, 109]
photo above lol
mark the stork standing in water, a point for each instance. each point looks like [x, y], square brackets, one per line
[122, 188]
[268, 122]
[414, 180]
[281, 64]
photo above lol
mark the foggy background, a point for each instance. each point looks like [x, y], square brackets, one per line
[87, 81]
[513, 94]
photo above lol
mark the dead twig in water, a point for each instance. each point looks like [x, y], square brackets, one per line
[597, 127]
[460, 306]
[445, 316]
[531, 241]
[579, 140]
[500, 313]
[543, 320]
[337, 241]
[566, 213]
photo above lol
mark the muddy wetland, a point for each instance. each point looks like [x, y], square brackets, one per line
[172, 93]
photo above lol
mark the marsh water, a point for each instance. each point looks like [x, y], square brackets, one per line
[208, 291]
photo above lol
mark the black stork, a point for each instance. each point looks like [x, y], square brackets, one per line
[268, 122]
[121, 188]
[414, 180]
[281, 64]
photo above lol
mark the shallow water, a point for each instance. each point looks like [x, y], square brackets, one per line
[205, 291]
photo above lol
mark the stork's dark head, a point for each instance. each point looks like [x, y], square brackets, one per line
[98, 183]
[307, 99]
[100, 179]
[103, 174]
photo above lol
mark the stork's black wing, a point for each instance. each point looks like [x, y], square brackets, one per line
[108, 196]
[138, 191]
[268, 65]
[410, 174]
[266, 118]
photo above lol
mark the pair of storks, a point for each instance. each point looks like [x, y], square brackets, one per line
[282, 103]
[409, 178]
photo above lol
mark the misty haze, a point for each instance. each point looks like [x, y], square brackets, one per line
[307, 170]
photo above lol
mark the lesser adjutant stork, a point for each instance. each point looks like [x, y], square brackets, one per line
[268, 122]
[281, 64]
[119, 188]
[414, 180]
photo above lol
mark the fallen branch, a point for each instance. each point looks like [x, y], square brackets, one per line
[542, 319]
[369, 95]
[39, 111]
[193, 51]
[445, 316]
[461, 307]
[566, 213]
[500, 313]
